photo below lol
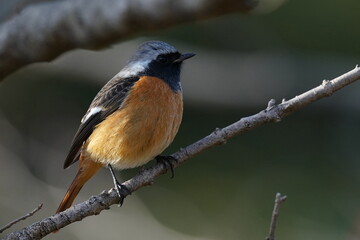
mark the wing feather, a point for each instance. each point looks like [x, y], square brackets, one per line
[107, 101]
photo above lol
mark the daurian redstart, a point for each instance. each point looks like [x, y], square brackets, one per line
[132, 119]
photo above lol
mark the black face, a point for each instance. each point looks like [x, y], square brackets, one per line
[166, 59]
[166, 68]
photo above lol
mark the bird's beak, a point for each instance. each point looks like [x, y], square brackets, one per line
[184, 56]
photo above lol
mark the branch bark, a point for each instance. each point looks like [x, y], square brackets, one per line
[273, 113]
[43, 31]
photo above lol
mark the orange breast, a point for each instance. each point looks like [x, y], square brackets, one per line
[145, 125]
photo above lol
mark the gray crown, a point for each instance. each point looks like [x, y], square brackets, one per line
[145, 53]
[150, 50]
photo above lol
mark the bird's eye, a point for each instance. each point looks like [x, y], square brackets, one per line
[162, 60]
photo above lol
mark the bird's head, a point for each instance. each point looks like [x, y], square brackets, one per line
[157, 59]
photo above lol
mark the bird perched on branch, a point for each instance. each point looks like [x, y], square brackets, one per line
[132, 119]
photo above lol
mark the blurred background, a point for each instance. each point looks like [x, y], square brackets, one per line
[280, 50]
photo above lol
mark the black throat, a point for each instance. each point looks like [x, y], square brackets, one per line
[168, 72]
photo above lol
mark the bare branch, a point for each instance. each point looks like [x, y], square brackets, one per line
[273, 113]
[279, 199]
[21, 218]
[44, 31]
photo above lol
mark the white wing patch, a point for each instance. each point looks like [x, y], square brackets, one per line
[91, 112]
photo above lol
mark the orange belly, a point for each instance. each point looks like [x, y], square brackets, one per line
[144, 126]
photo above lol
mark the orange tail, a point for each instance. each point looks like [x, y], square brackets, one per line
[87, 169]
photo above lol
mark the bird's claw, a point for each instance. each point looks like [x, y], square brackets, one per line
[121, 189]
[122, 192]
[167, 162]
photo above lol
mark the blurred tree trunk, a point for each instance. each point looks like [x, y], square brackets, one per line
[44, 30]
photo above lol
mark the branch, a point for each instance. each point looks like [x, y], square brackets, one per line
[273, 113]
[279, 199]
[21, 218]
[42, 32]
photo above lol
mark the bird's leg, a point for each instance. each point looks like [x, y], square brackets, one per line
[121, 189]
[167, 162]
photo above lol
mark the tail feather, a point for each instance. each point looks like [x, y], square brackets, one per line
[88, 168]
[71, 193]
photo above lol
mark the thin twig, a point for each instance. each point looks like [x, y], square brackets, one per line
[279, 199]
[273, 113]
[21, 218]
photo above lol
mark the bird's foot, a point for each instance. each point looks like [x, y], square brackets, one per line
[167, 162]
[122, 192]
[121, 189]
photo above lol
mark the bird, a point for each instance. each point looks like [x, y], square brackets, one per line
[132, 119]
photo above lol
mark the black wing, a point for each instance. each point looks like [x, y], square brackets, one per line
[109, 99]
